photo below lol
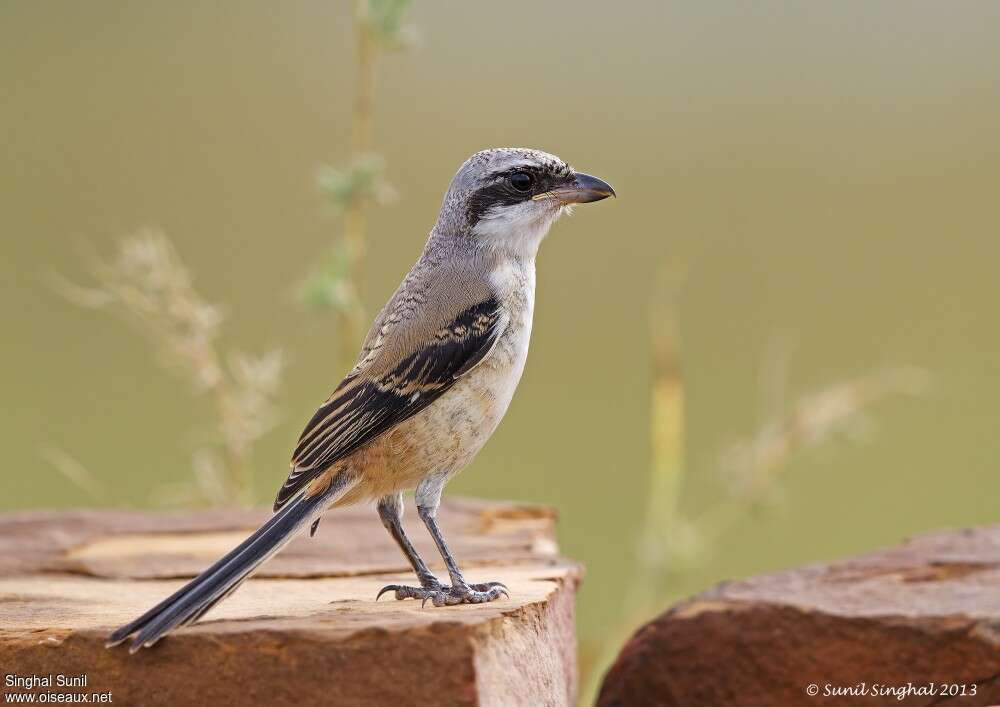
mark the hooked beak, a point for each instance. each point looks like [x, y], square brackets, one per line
[582, 189]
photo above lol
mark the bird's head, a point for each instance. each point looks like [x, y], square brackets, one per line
[507, 198]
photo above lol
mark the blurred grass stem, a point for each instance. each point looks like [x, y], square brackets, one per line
[149, 285]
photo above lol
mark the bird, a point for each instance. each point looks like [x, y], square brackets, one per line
[435, 375]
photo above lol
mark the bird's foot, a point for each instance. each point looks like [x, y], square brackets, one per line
[443, 595]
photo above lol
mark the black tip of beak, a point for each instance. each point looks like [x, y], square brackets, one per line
[588, 188]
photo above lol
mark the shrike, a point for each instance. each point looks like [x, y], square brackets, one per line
[433, 380]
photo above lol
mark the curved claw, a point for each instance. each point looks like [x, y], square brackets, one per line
[386, 588]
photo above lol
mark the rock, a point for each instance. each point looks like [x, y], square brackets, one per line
[921, 620]
[305, 629]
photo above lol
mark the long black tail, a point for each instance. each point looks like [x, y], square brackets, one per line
[191, 601]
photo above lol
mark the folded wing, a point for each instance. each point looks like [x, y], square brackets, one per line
[379, 394]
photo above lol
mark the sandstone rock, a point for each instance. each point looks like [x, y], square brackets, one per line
[304, 630]
[922, 615]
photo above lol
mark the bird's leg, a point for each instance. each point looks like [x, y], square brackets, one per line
[390, 510]
[428, 496]
[460, 591]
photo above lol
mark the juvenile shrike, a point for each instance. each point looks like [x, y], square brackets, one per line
[434, 377]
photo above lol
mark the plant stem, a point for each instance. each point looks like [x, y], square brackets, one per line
[351, 316]
[234, 454]
[364, 103]
[643, 589]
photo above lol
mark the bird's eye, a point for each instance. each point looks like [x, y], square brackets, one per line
[522, 181]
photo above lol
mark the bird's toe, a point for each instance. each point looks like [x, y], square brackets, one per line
[443, 595]
[470, 594]
[489, 586]
[402, 591]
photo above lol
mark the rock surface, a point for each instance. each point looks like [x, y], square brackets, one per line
[921, 620]
[305, 629]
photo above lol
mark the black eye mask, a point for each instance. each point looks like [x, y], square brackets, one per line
[508, 189]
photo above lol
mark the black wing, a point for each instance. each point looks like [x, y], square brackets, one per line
[365, 406]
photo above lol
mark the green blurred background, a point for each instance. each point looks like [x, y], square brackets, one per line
[828, 174]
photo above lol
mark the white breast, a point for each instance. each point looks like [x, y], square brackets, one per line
[515, 282]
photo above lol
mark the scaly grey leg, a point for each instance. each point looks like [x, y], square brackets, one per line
[428, 496]
[390, 510]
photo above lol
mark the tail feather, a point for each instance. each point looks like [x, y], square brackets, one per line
[189, 603]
